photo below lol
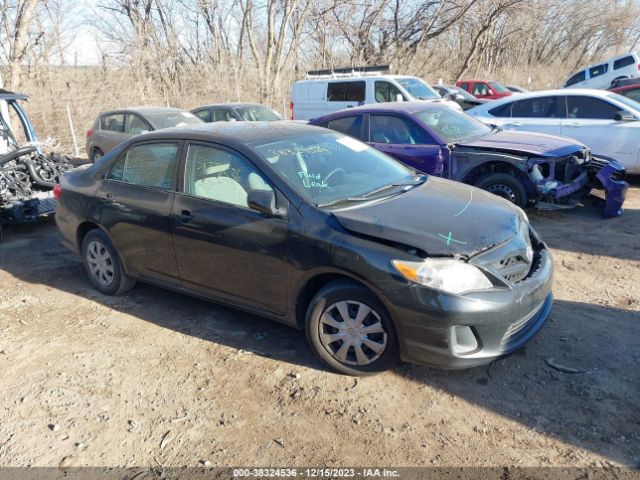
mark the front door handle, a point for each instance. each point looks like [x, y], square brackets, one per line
[108, 198]
[186, 218]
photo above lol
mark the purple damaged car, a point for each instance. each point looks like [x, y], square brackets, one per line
[524, 167]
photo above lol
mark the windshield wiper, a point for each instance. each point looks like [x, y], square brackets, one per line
[366, 196]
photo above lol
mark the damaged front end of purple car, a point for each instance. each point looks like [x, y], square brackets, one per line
[564, 182]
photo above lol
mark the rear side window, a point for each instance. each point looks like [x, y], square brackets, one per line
[386, 92]
[395, 130]
[221, 115]
[590, 108]
[351, 126]
[204, 115]
[502, 110]
[146, 165]
[113, 122]
[464, 86]
[623, 62]
[632, 94]
[577, 78]
[346, 91]
[543, 107]
[599, 70]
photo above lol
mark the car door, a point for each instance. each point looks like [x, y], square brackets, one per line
[134, 203]
[111, 133]
[539, 114]
[592, 121]
[223, 248]
[405, 140]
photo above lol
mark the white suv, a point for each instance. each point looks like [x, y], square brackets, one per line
[608, 123]
[601, 75]
[323, 93]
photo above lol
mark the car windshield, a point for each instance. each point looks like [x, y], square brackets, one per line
[633, 105]
[328, 168]
[498, 87]
[451, 125]
[417, 88]
[257, 113]
[172, 119]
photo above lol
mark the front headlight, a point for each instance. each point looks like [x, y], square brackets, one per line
[452, 276]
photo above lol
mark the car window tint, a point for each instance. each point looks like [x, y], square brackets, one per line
[542, 107]
[623, 62]
[220, 175]
[395, 130]
[351, 126]
[221, 115]
[598, 70]
[502, 110]
[346, 91]
[386, 92]
[146, 165]
[587, 107]
[113, 122]
[577, 78]
[136, 124]
[204, 115]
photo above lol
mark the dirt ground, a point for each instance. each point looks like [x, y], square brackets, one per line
[156, 378]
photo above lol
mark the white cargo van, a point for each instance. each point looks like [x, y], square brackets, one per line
[326, 91]
[600, 75]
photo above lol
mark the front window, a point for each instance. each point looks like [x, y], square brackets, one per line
[499, 88]
[451, 125]
[465, 95]
[257, 114]
[330, 167]
[630, 100]
[386, 92]
[417, 88]
[173, 119]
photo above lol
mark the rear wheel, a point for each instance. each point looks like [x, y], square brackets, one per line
[96, 154]
[103, 265]
[350, 331]
[505, 186]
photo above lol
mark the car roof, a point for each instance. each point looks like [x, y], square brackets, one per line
[229, 105]
[235, 132]
[143, 110]
[391, 107]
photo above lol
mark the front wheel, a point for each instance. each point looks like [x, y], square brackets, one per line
[506, 186]
[350, 331]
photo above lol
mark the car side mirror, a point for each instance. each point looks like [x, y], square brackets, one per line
[263, 201]
[624, 116]
[459, 97]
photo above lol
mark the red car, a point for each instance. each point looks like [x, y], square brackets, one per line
[630, 91]
[483, 89]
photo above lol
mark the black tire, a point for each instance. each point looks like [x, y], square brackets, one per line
[506, 186]
[100, 257]
[96, 154]
[383, 331]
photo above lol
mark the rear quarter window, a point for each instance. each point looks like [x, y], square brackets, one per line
[577, 78]
[624, 62]
[502, 110]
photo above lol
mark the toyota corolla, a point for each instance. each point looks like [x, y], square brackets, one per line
[375, 261]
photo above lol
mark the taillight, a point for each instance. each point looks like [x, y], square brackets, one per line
[89, 132]
[639, 66]
[57, 191]
[291, 110]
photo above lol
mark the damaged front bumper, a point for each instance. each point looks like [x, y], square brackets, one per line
[564, 182]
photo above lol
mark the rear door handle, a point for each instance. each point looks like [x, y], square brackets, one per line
[186, 218]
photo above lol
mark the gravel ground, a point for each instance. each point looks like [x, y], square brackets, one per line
[154, 378]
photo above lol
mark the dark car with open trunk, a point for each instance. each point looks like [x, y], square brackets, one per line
[374, 260]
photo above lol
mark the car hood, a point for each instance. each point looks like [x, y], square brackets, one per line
[440, 217]
[531, 143]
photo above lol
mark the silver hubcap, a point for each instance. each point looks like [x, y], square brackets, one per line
[503, 191]
[352, 333]
[100, 263]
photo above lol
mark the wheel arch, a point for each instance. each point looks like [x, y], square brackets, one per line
[499, 166]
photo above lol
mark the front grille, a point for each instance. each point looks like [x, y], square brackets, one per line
[597, 164]
[519, 325]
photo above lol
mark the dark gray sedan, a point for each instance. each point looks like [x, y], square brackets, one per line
[239, 112]
[115, 126]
